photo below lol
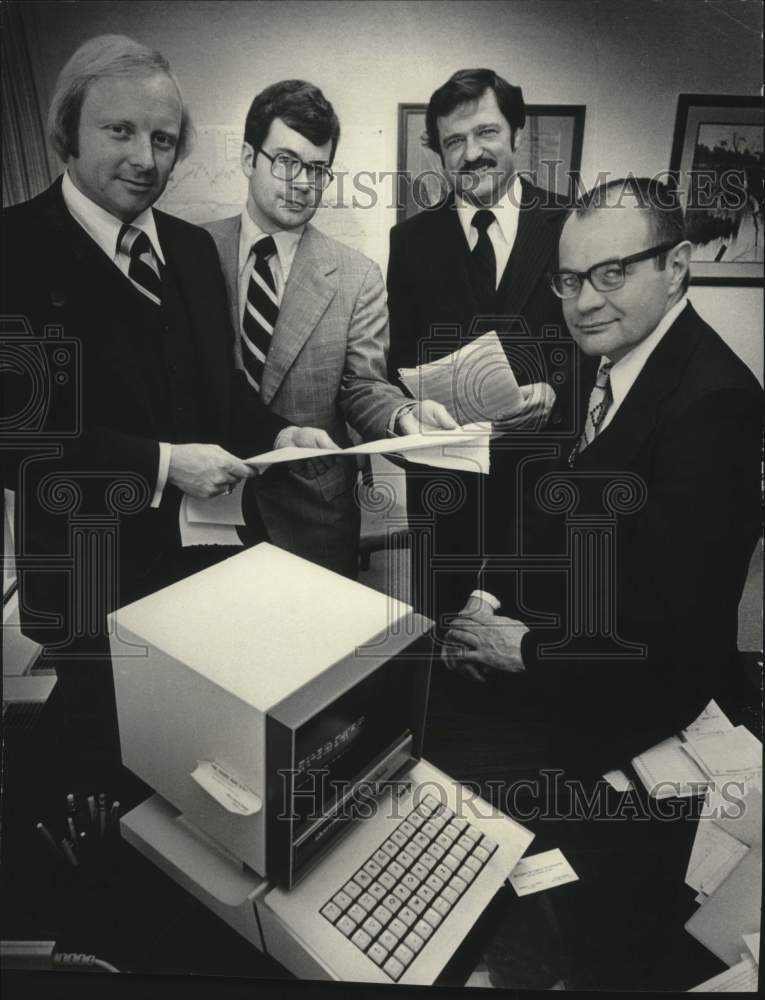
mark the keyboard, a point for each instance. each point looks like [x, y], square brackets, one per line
[400, 896]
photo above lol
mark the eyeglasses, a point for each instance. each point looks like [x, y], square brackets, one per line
[287, 167]
[607, 276]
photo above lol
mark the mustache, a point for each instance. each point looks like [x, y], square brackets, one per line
[482, 161]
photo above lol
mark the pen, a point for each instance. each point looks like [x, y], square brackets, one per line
[72, 828]
[68, 850]
[92, 809]
[48, 838]
[70, 804]
[101, 814]
[114, 812]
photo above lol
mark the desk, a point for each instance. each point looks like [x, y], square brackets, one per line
[594, 933]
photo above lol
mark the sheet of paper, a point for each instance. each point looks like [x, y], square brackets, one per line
[752, 941]
[618, 780]
[541, 871]
[714, 856]
[711, 720]
[232, 794]
[223, 509]
[196, 533]
[472, 457]
[474, 383]
[740, 978]
[406, 444]
[742, 818]
[667, 770]
[728, 753]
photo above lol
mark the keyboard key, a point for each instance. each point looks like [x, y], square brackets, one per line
[394, 968]
[473, 864]
[381, 858]
[424, 810]
[434, 882]
[361, 939]
[419, 871]
[342, 900]
[397, 927]
[362, 878]
[388, 940]
[411, 881]
[407, 828]
[441, 906]
[422, 839]
[451, 862]
[426, 893]
[379, 890]
[443, 872]
[402, 892]
[413, 941]
[395, 869]
[451, 832]
[445, 811]
[398, 837]
[357, 913]
[368, 901]
[460, 823]
[377, 953]
[372, 868]
[473, 833]
[430, 830]
[346, 926]
[449, 895]
[407, 915]
[417, 904]
[432, 917]
[428, 861]
[331, 911]
[482, 854]
[444, 841]
[436, 851]
[352, 889]
[489, 845]
[389, 848]
[423, 929]
[458, 852]
[393, 903]
[404, 955]
[466, 874]
[431, 802]
[382, 915]
[458, 884]
[387, 881]
[465, 842]
[405, 860]
[415, 819]
[372, 926]
[439, 822]
[414, 849]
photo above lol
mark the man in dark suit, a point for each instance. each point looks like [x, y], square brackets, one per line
[476, 263]
[635, 629]
[123, 310]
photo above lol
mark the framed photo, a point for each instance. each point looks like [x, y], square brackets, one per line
[550, 150]
[717, 159]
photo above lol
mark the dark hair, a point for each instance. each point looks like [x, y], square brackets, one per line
[469, 85]
[660, 201]
[301, 106]
[99, 57]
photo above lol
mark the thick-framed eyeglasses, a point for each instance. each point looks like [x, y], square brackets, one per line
[287, 167]
[607, 276]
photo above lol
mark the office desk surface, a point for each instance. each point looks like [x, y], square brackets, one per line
[620, 927]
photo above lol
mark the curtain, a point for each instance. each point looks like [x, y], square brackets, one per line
[26, 167]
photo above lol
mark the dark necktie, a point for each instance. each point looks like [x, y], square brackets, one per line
[597, 407]
[143, 269]
[260, 312]
[484, 260]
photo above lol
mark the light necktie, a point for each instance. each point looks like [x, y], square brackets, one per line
[597, 407]
[260, 312]
[143, 269]
[484, 258]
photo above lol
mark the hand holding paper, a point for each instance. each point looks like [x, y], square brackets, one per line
[426, 416]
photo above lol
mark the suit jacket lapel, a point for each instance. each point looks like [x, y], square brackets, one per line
[535, 243]
[228, 251]
[616, 446]
[311, 287]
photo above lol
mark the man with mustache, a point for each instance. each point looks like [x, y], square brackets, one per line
[477, 262]
[311, 321]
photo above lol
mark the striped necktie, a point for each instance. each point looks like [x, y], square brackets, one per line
[597, 407]
[143, 269]
[260, 312]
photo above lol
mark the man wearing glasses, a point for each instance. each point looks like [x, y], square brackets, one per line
[673, 421]
[312, 321]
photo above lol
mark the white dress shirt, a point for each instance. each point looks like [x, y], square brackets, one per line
[502, 231]
[104, 229]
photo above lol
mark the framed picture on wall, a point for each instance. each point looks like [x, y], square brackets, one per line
[717, 159]
[551, 148]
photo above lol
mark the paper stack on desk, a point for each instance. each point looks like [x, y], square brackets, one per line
[474, 383]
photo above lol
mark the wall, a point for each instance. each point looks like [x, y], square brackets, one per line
[626, 60]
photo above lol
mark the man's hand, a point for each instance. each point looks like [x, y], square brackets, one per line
[534, 412]
[481, 612]
[307, 437]
[205, 470]
[483, 640]
[427, 415]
